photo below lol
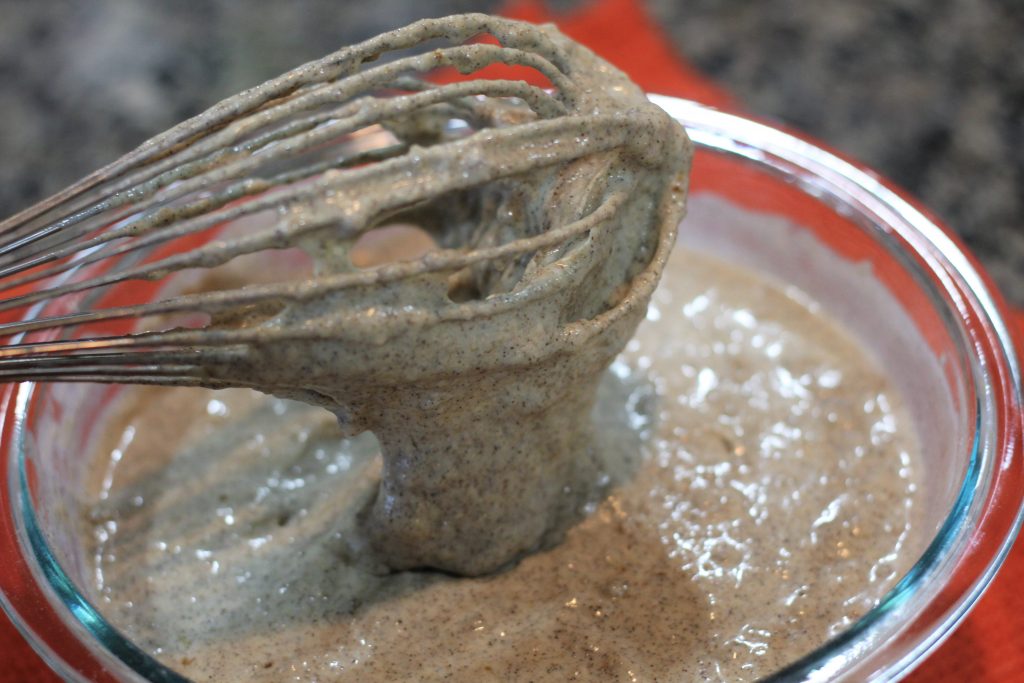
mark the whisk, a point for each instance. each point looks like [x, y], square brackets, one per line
[475, 364]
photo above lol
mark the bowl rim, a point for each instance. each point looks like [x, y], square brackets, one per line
[42, 602]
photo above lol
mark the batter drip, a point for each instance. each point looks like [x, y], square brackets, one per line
[475, 364]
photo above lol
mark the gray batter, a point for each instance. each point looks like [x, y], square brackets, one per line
[552, 210]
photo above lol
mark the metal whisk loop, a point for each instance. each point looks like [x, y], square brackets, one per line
[298, 146]
[221, 253]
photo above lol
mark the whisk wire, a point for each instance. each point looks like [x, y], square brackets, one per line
[299, 158]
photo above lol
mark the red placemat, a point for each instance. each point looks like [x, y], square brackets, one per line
[989, 646]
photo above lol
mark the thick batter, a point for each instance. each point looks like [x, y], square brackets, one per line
[552, 207]
[760, 478]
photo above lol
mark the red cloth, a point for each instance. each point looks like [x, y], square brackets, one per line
[989, 646]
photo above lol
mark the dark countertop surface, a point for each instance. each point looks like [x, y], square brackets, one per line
[928, 92]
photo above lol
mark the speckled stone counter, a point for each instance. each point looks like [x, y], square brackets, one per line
[928, 92]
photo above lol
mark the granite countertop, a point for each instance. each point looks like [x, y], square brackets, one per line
[928, 92]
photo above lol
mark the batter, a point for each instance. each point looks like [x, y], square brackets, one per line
[552, 207]
[760, 477]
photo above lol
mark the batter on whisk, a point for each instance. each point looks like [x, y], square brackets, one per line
[476, 364]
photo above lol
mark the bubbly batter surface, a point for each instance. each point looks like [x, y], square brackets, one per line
[762, 491]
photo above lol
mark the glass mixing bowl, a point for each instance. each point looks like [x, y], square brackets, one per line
[760, 197]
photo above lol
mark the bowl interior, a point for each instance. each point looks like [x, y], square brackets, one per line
[880, 288]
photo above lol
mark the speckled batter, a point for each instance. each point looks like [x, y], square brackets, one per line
[762, 476]
[551, 209]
